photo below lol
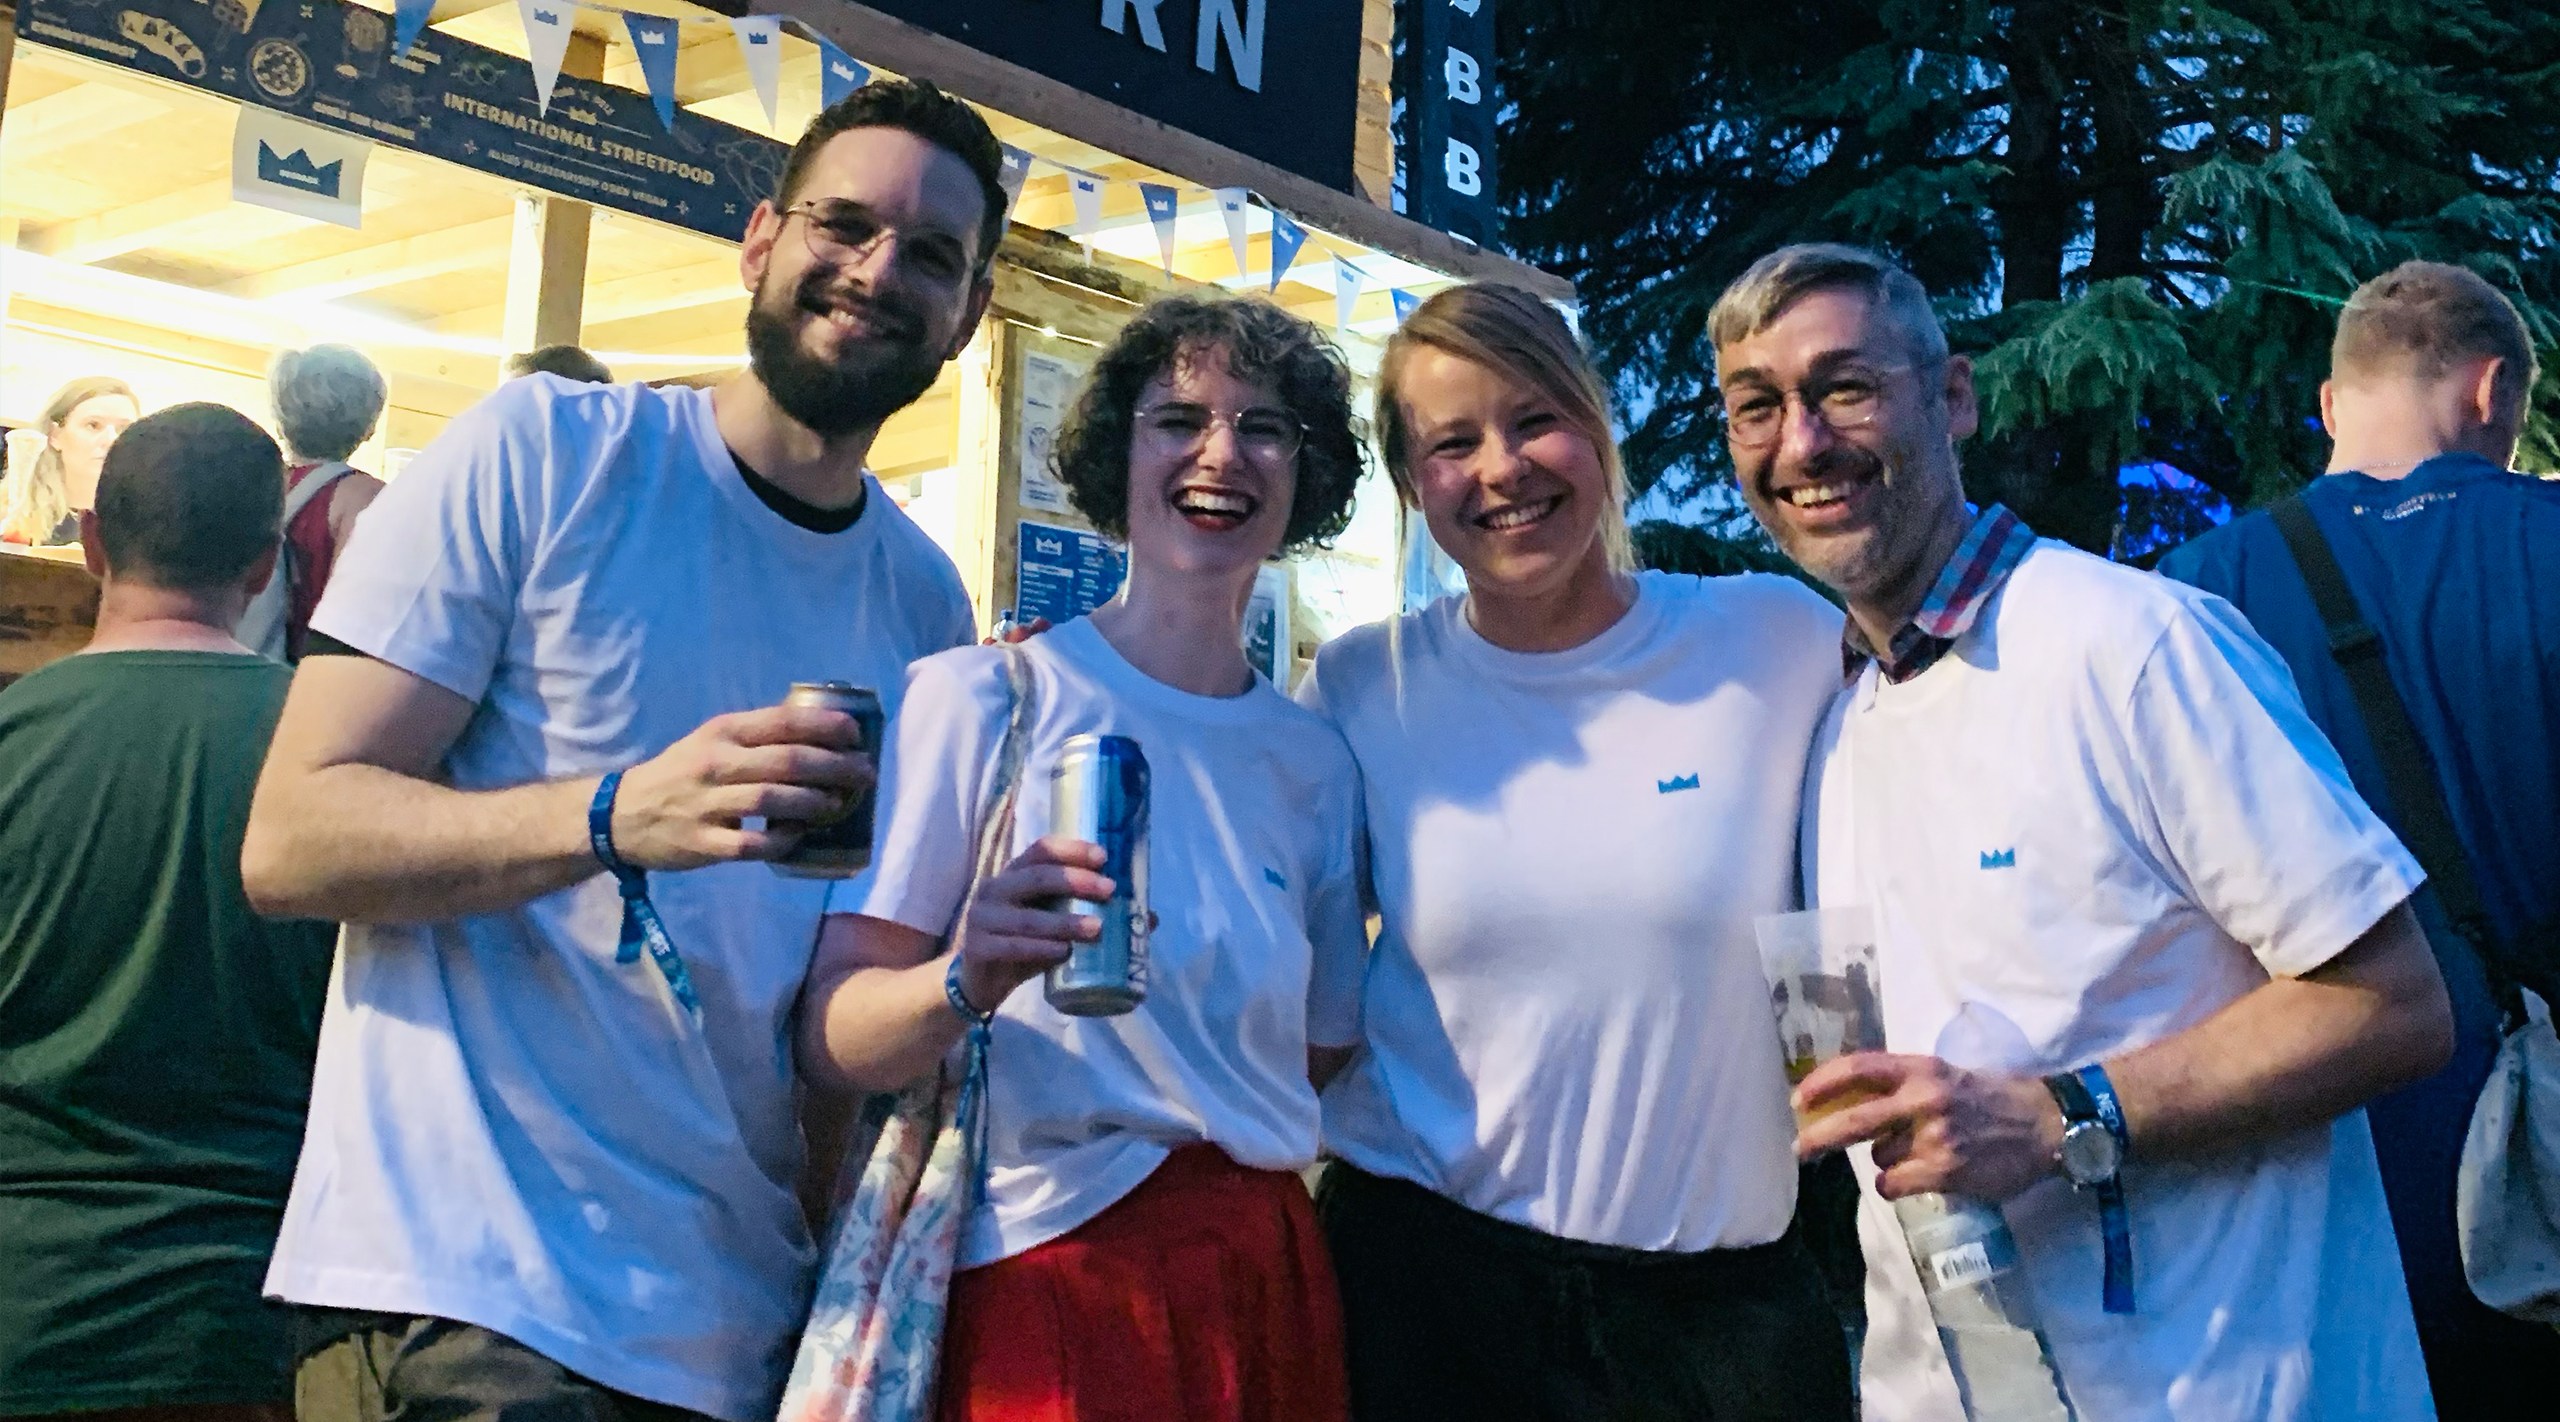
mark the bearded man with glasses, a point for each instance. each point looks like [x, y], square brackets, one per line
[544, 1175]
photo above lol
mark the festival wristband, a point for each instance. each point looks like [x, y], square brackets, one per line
[641, 926]
[2115, 1221]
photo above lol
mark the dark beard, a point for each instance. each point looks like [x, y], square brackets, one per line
[837, 399]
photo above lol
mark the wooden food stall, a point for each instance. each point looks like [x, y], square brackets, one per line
[188, 186]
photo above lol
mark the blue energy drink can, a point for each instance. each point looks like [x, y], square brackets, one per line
[837, 848]
[1098, 793]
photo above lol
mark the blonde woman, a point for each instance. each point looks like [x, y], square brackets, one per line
[1565, 1170]
[40, 506]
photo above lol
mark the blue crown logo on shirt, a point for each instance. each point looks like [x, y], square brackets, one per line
[2000, 859]
[297, 170]
[1677, 782]
[1272, 877]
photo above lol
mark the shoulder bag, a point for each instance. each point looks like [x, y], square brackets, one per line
[2507, 1202]
[873, 1345]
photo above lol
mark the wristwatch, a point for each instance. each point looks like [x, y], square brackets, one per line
[2094, 1145]
[2091, 1155]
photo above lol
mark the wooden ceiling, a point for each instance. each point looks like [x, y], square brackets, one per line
[105, 169]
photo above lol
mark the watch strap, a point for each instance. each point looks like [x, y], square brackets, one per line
[2087, 1096]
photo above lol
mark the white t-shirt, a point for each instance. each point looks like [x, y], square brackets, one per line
[509, 1127]
[2103, 817]
[1253, 827]
[1565, 1021]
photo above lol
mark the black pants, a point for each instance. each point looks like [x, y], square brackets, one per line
[1453, 1314]
[370, 1367]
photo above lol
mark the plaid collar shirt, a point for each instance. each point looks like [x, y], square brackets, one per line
[1992, 549]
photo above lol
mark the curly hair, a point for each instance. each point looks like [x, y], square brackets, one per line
[1259, 342]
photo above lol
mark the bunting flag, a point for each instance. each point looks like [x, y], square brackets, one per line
[1163, 206]
[653, 38]
[408, 21]
[760, 41]
[1346, 291]
[839, 73]
[1231, 202]
[546, 37]
[1088, 192]
[1286, 238]
[1017, 170]
[1405, 302]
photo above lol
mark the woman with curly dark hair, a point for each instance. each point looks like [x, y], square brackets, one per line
[1144, 1247]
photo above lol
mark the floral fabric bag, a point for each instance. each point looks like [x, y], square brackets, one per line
[873, 1344]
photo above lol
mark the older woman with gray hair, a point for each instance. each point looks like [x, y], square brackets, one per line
[328, 400]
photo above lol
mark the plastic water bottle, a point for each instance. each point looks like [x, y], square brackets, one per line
[1968, 1263]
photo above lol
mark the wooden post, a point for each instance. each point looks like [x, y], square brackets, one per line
[978, 452]
[547, 264]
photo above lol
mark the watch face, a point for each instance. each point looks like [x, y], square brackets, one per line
[2089, 1153]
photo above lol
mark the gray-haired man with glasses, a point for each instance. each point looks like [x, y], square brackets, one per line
[2142, 951]
[546, 1173]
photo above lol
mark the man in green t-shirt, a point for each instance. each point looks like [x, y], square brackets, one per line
[156, 1034]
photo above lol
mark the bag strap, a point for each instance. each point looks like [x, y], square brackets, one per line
[995, 842]
[2407, 773]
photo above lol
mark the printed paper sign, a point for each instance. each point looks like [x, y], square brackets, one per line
[281, 162]
[1062, 573]
[1048, 385]
[1266, 626]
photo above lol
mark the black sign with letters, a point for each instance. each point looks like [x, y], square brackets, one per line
[1448, 177]
[1278, 80]
[330, 62]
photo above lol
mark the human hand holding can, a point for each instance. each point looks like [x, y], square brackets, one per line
[837, 846]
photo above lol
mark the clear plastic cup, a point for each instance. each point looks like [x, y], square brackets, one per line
[1821, 966]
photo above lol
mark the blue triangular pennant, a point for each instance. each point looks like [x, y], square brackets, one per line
[1163, 205]
[653, 38]
[1286, 238]
[1405, 301]
[408, 21]
[839, 73]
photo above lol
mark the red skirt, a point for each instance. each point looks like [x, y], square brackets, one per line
[1204, 1295]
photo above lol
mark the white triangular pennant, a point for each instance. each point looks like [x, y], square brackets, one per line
[546, 37]
[1088, 194]
[1164, 205]
[1231, 203]
[760, 41]
[1346, 292]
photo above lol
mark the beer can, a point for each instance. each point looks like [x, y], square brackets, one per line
[1098, 793]
[838, 847]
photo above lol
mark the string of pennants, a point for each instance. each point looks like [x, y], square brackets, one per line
[548, 24]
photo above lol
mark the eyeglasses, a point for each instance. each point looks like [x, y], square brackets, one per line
[1849, 400]
[841, 232]
[1263, 435]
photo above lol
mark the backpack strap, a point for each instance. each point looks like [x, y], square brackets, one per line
[2408, 773]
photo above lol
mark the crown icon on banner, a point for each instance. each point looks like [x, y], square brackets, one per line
[759, 37]
[297, 170]
[841, 71]
[546, 17]
[653, 37]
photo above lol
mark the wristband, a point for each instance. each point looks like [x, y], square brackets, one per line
[641, 926]
[959, 1000]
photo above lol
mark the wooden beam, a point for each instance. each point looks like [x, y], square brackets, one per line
[1062, 108]
[39, 128]
[429, 254]
[547, 257]
[8, 52]
[133, 228]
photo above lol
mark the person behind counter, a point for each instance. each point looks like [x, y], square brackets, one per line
[328, 400]
[566, 361]
[156, 1034]
[41, 506]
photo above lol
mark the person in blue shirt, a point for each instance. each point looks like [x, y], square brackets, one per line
[2455, 561]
